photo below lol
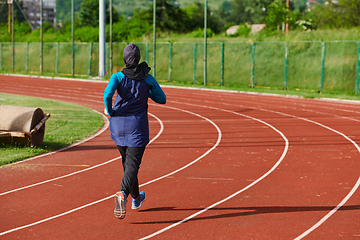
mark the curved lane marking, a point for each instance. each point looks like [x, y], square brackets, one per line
[106, 198]
[196, 160]
[238, 192]
[352, 191]
[87, 169]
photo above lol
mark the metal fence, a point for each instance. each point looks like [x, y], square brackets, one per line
[319, 66]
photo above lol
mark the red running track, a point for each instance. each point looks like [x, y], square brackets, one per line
[222, 165]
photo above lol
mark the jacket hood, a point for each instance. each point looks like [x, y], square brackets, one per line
[133, 69]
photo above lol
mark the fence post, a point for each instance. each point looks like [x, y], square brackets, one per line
[57, 58]
[107, 49]
[1, 56]
[111, 37]
[222, 64]
[13, 56]
[195, 50]
[205, 43]
[252, 83]
[13, 37]
[357, 69]
[72, 38]
[41, 38]
[90, 58]
[41, 57]
[323, 55]
[111, 59]
[73, 60]
[154, 38]
[27, 57]
[286, 65]
[170, 58]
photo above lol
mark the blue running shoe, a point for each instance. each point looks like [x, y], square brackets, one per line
[136, 203]
[120, 209]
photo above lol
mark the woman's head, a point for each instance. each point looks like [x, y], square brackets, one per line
[131, 55]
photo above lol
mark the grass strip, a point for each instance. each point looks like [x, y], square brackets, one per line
[68, 124]
[303, 93]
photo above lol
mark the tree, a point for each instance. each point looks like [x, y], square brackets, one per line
[63, 9]
[300, 5]
[195, 13]
[247, 11]
[238, 12]
[344, 13]
[171, 18]
[89, 13]
[277, 15]
[4, 10]
[256, 10]
[223, 14]
[349, 10]
[137, 26]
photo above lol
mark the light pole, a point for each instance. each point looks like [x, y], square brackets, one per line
[111, 45]
[154, 37]
[72, 38]
[102, 40]
[41, 37]
[205, 42]
[13, 36]
[287, 17]
[9, 16]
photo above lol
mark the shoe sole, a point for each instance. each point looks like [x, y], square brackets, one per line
[120, 209]
[132, 207]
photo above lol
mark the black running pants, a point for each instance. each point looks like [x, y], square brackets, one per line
[131, 160]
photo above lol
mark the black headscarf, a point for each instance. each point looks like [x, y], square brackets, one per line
[133, 69]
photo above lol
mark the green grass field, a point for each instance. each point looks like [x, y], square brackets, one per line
[303, 71]
[68, 123]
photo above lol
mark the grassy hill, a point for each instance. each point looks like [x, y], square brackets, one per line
[127, 7]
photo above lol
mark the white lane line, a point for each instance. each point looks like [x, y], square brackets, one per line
[61, 177]
[330, 114]
[327, 216]
[347, 197]
[196, 160]
[87, 169]
[69, 96]
[47, 90]
[356, 186]
[212, 179]
[353, 103]
[238, 192]
[161, 128]
[104, 199]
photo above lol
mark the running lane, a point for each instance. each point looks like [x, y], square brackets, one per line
[245, 193]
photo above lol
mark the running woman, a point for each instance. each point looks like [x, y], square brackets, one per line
[129, 123]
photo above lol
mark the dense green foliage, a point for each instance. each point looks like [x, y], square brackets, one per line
[345, 13]
[187, 17]
[63, 10]
[277, 13]
[89, 13]
[4, 10]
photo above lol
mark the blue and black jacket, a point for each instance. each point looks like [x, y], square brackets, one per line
[129, 123]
